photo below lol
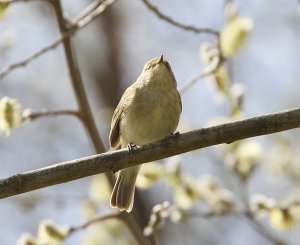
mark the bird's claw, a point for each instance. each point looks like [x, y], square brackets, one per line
[175, 134]
[131, 147]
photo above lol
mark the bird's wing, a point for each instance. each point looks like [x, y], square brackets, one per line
[180, 102]
[115, 134]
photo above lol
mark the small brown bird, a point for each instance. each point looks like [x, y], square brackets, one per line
[148, 111]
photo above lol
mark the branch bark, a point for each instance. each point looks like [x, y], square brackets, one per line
[172, 145]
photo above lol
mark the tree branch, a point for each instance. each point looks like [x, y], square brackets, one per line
[77, 82]
[92, 221]
[259, 228]
[23, 1]
[86, 17]
[122, 216]
[172, 145]
[162, 16]
[190, 82]
[31, 115]
[248, 215]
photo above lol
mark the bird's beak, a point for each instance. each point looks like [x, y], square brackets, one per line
[161, 59]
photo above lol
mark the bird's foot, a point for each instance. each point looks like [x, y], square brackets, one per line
[131, 147]
[175, 134]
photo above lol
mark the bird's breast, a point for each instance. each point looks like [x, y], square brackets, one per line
[151, 115]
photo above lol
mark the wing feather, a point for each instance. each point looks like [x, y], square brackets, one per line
[115, 131]
[115, 135]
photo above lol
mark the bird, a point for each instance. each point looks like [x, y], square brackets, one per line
[148, 111]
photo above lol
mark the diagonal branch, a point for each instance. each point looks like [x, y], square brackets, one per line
[191, 82]
[86, 17]
[122, 216]
[22, 1]
[209, 70]
[259, 228]
[10, 67]
[92, 221]
[173, 22]
[173, 145]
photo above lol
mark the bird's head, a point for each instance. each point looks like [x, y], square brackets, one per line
[159, 68]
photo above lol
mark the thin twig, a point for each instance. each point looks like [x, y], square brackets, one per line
[209, 215]
[45, 113]
[247, 214]
[31, 57]
[191, 82]
[124, 217]
[210, 69]
[94, 13]
[250, 216]
[171, 146]
[173, 22]
[92, 221]
[23, 1]
[75, 26]
[262, 230]
[87, 11]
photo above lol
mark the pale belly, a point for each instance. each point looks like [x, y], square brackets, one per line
[151, 119]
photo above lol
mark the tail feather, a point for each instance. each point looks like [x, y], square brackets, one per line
[122, 196]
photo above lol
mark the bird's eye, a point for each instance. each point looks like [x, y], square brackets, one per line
[149, 67]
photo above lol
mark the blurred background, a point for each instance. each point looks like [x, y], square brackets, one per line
[111, 53]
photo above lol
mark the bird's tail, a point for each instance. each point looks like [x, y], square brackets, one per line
[122, 196]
